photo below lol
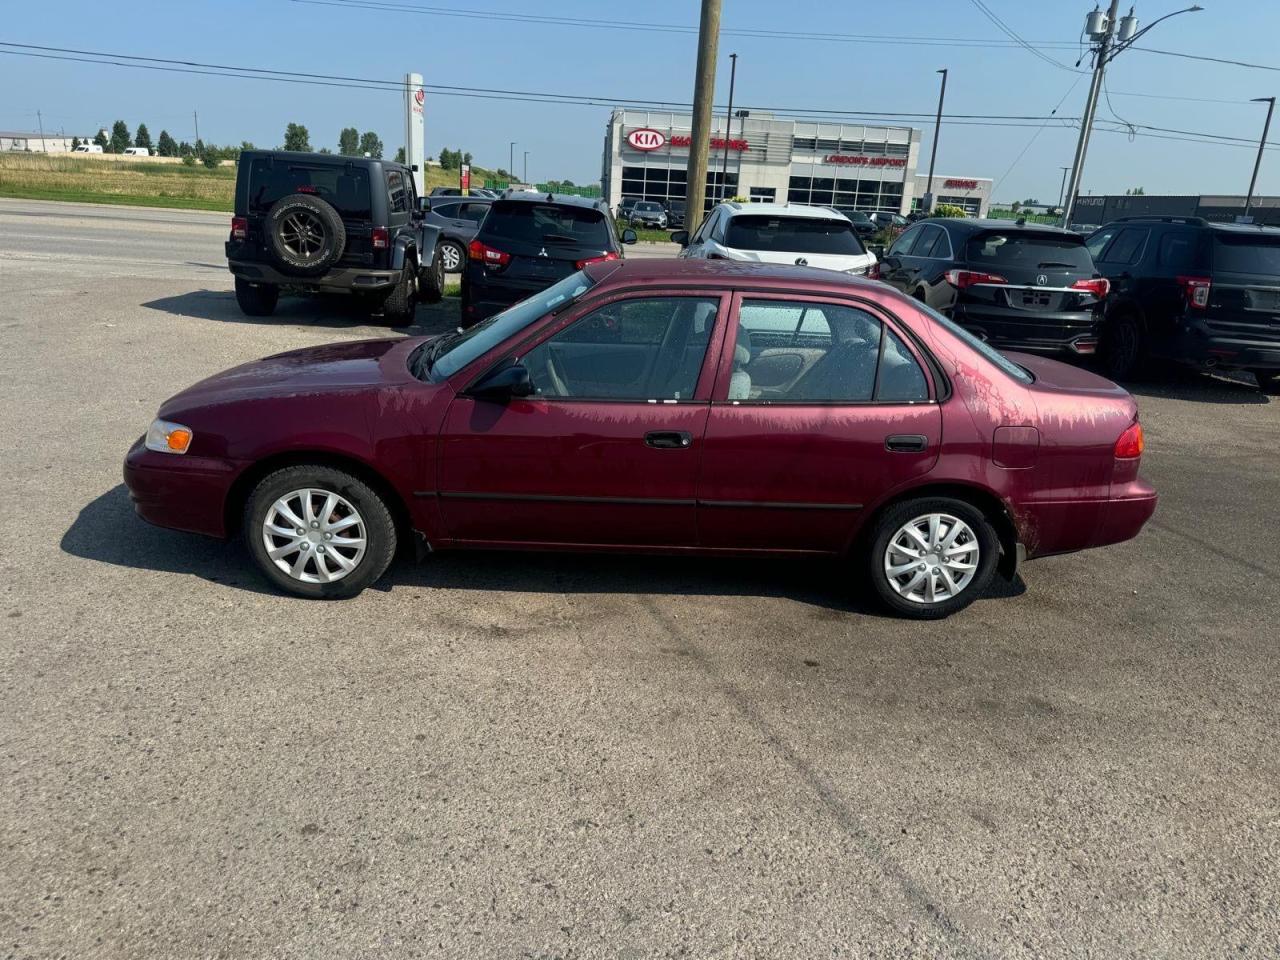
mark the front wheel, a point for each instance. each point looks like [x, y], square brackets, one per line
[453, 255]
[318, 532]
[256, 300]
[930, 557]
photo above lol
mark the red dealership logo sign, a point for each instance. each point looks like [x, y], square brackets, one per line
[717, 143]
[419, 96]
[863, 161]
[961, 184]
[646, 139]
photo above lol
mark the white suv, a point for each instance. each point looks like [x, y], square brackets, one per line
[777, 233]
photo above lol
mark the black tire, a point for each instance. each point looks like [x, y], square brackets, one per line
[899, 515]
[431, 280]
[457, 250]
[1124, 347]
[1268, 381]
[256, 300]
[401, 304]
[305, 234]
[378, 527]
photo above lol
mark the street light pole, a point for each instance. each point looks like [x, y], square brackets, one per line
[728, 124]
[1062, 190]
[511, 163]
[1262, 144]
[937, 128]
[526, 167]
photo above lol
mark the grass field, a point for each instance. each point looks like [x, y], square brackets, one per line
[34, 176]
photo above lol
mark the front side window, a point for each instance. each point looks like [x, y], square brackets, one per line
[648, 348]
[1098, 242]
[798, 352]
[1128, 246]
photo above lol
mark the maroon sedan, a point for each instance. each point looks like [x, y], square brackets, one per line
[679, 406]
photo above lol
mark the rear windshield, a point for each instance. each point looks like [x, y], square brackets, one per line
[1258, 255]
[547, 223]
[792, 235]
[345, 187]
[1031, 251]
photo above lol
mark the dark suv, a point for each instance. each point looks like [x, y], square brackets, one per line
[1184, 289]
[1020, 286]
[527, 242]
[458, 219]
[316, 223]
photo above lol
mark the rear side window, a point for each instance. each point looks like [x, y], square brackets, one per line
[1258, 255]
[1179, 251]
[1128, 246]
[449, 210]
[1030, 251]
[903, 246]
[346, 187]
[547, 223]
[792, 235]
[397, 196]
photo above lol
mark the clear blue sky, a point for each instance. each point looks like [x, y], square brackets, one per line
[566, 141]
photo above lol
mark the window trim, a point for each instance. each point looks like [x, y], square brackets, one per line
[720, 394]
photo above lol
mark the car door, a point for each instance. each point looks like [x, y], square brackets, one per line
[1120, 259]
[820, 408]
[698, 247]
[606, 451]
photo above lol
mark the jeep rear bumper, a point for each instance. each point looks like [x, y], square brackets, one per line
[335, 280]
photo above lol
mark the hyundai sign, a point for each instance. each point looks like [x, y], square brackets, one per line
[646, 139]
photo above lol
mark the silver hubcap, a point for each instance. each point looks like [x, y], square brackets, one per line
[452, 259]
[315, 536]
[302, 234]
[931, 558]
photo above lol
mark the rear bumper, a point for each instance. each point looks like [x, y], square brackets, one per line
[489, 295]
[1054, 527]
[1074, 333]
[1204, 347]
[336, 280]
[179, 492]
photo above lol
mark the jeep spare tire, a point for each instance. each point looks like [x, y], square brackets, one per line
[305, 234]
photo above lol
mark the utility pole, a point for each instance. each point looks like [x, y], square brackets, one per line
[728, 126]
[45, 149]
[196, 117]
[937, 128]
[704, 88]
[1262, 144]
[1062, 190]
[526, 166]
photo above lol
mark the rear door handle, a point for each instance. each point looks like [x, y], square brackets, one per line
[906, 443]
[668, 439]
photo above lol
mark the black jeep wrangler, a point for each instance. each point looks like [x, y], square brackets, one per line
[315, 223]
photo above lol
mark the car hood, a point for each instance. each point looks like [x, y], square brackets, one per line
[332, 367]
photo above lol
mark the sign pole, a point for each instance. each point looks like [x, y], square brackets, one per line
[415, 159]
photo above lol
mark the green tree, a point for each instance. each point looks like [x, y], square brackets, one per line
[100, 139]
[142, 138]
[247, 145]
[297, 138]
[400, 155]
[119, 137]
[166, 146]
[349, 141]
[75, 142]
[211, 158]
[466, 158]
[184, 149]
[189, 159]
[370, 144]
[324, 150]
[1134, 192]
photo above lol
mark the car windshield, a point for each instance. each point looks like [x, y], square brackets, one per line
[1245, 254]
[857, 216]
[981, 346]
[441, 358]
[1030, 250]
[647, 208]
[537, 222]
[792, 235]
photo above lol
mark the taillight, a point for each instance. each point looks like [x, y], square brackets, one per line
[381, 238]
[600, 259]
[479, 250]
[1098, 286]
[239, 228]
[1196, 290]
[968, 278]
[1131, 443]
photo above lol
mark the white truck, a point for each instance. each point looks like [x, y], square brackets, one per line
[137, 152]
[87, 148]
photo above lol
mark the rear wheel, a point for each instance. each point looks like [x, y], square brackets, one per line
[431, 280]
[1268, 381]
[931, 557]
[256, 300]
[318, 532]
[1124, 347]
[401, 304]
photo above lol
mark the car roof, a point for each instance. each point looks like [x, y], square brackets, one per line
[565, 199]
[459, 198]
[1238, 228]
[334, 158]
[777, 210]
[975, 225]
[725, 273]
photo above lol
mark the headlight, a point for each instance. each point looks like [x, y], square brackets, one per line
[166, 437]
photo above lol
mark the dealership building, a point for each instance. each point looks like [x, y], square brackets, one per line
[772, 160]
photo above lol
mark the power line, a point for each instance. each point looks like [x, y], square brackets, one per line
[1036, 135]
[986, 12]
[1196, 56]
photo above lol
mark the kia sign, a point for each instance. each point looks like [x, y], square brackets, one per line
[420, 96]
[646, 139]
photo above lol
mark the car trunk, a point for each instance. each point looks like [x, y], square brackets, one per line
[1244, 296]
[1030, 272]
[769, 238]
[544, 242]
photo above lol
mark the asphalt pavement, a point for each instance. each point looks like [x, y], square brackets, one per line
[512, 755]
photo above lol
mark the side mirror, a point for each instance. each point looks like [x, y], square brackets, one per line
[681, 237]
[629, 236]
[511, 379]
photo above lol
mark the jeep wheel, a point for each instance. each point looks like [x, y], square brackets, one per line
[256, 300]
[305, 234]
[431, 279]
[401, 304]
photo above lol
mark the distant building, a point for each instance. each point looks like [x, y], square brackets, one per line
[1095, 210]
[35, 142]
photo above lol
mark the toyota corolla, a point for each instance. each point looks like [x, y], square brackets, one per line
[664, 406]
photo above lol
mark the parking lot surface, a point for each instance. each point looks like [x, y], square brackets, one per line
[626, 757]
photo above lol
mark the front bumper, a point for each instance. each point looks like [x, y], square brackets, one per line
[335, 280]
[179, 492]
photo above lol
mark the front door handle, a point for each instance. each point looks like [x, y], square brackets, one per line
[668, 439]
[906, 443]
